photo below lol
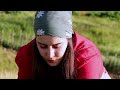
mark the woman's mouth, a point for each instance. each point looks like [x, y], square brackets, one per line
[51, 61]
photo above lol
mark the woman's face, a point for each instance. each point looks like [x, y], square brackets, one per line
[51, 48]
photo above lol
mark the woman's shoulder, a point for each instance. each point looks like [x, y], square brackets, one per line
[25, 49]
[24, 60]
[81, 43]
[85, 49]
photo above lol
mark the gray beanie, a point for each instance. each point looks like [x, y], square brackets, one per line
[55, 23]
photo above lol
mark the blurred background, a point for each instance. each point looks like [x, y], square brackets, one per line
[101, 27]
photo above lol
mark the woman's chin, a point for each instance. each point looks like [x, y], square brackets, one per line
[52, 64]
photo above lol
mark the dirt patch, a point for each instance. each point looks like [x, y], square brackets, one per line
[114, 75]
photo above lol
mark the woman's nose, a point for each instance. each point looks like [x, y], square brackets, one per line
[51, 52]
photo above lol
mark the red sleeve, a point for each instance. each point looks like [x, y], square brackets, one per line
[23, 65]
[19, 61]
[91, 70]
[89, 64]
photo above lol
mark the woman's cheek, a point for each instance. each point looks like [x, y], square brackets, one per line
[60, 52]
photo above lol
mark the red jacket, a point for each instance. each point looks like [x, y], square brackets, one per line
[88, 61]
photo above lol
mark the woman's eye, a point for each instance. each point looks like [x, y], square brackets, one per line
[43, 46]
[56, 46]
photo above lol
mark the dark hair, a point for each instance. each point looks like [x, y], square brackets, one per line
[65, 70]
[69, 58]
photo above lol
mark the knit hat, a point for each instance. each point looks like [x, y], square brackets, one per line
[55, 23]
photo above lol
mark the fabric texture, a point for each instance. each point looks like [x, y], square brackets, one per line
[88, 60]
[55, 23]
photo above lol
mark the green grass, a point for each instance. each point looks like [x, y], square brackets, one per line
[7, 58]
[8, 68]
[16, 29]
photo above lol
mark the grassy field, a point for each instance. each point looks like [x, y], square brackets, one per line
[8, 68]
[16, 29]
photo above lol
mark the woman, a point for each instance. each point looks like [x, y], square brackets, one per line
[57, 52]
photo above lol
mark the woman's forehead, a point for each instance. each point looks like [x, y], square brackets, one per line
[46, 39]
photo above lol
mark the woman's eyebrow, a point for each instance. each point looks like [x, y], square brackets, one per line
[46, 44]
[41, 43]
